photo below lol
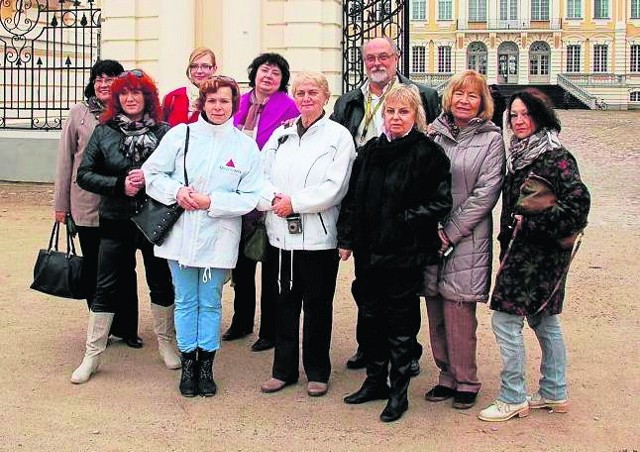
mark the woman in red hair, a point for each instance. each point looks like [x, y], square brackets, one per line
[129, 131]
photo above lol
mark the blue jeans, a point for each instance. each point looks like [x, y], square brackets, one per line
[198, 306]
[508, 331]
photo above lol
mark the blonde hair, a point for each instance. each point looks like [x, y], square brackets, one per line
[197, 53]
[410, 95]
[317, 77]
[474, 80]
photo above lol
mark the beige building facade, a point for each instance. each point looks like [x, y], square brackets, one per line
[158, 35]
[589, 47]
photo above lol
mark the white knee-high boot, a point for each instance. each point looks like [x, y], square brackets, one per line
[166, 333]
[97, 336]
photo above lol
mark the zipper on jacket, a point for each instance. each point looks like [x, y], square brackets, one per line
[322, 223]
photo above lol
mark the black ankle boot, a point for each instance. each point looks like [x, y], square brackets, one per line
[367, 393]
[189, 376]
[396, 406]
[206, 384]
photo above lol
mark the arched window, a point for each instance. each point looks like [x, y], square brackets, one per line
[539, 55]
[477, 57]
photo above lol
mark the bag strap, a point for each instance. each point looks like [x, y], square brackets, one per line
[55, 233]
[186, 148]
[71, 247]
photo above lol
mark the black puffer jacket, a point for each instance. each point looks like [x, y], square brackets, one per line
[398, 193]
[349, 108]
[104, 168]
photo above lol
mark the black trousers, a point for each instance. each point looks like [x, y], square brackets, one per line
[312, 287]
[120, 239]
[244, 303]
[389, 312]
[122, 325]
[362, 324]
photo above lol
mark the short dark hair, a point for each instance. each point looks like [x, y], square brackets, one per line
[110, 68]
[274, 59]
[540, 108]
[213, 84]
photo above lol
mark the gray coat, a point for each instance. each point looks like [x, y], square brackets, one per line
[477, 171]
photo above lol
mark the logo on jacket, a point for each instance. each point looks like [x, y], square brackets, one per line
[230, 167]
[230, 164]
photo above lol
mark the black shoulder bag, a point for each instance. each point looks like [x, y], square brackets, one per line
[59, 273]
[155, 219]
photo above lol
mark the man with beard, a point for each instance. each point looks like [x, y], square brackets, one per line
[360, 111]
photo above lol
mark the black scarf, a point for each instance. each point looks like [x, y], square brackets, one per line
[95, 106]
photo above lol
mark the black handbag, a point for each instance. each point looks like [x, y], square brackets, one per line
[59, 273]
[155, 219]
[255, 245]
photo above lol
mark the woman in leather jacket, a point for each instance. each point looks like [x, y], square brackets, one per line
[129, 131]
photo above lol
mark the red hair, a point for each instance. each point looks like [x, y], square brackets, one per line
[132, 81]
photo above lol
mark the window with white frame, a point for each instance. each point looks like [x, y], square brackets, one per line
[477, 57]
[477, 10]
[508, 9]
[418, 9]
[445, 9]
[444, 59]
[574, 9]
[634, 65]
[418, 59]
[600, 58]
[539, 9]
[573, 58]
[634, 96]
[600, 9]
[635, 9]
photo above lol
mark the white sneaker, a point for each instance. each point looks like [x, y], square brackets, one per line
[556, 406]
[500, 411]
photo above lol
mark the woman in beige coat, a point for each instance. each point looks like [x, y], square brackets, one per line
[476, 150]
[80, 206]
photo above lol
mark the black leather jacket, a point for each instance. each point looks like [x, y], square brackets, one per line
[398, 193]
[104, 168]
[349, 108]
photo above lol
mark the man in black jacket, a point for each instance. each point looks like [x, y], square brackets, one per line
[360, 111]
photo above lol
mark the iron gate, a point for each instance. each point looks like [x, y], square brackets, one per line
[366, 19]
[47, 50]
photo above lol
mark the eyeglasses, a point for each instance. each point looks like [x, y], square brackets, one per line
[202, 67]
[103, 80]
[135, 72]
[383, 58]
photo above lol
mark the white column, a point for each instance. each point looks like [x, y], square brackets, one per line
[176, 40]
[242, 28]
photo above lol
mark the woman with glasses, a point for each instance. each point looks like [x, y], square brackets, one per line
[129, 131]
[180, 106]
[262, 110]
[72, 203]
[224, 178]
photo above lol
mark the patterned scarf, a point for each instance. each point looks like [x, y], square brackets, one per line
[139, 141]
[254, 112]
[523, 152]
[95, 106]
[193, 93]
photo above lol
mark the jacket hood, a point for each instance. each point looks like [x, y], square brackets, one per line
[476, 125]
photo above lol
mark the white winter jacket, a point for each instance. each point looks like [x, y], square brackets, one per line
[314, 171]
[222, 162]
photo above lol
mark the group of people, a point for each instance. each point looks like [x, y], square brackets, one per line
[401, 182]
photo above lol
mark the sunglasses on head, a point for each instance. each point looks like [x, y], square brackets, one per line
[135, 72]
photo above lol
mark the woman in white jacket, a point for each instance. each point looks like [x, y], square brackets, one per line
[307, 169]
[224, 175]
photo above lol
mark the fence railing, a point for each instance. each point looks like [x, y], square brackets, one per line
[47, 48]
[510, 24]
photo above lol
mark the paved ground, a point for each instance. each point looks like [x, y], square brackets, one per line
[133, 403]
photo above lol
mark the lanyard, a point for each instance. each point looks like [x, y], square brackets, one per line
[368, 114]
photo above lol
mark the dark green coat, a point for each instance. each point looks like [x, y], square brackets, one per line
[536, 262]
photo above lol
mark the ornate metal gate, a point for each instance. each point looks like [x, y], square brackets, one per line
[47, 50]
[366, 19]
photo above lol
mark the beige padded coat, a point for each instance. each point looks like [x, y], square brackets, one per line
[477, 171]
[69, 197]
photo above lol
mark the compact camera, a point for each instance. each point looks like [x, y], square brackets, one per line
[294, 224]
